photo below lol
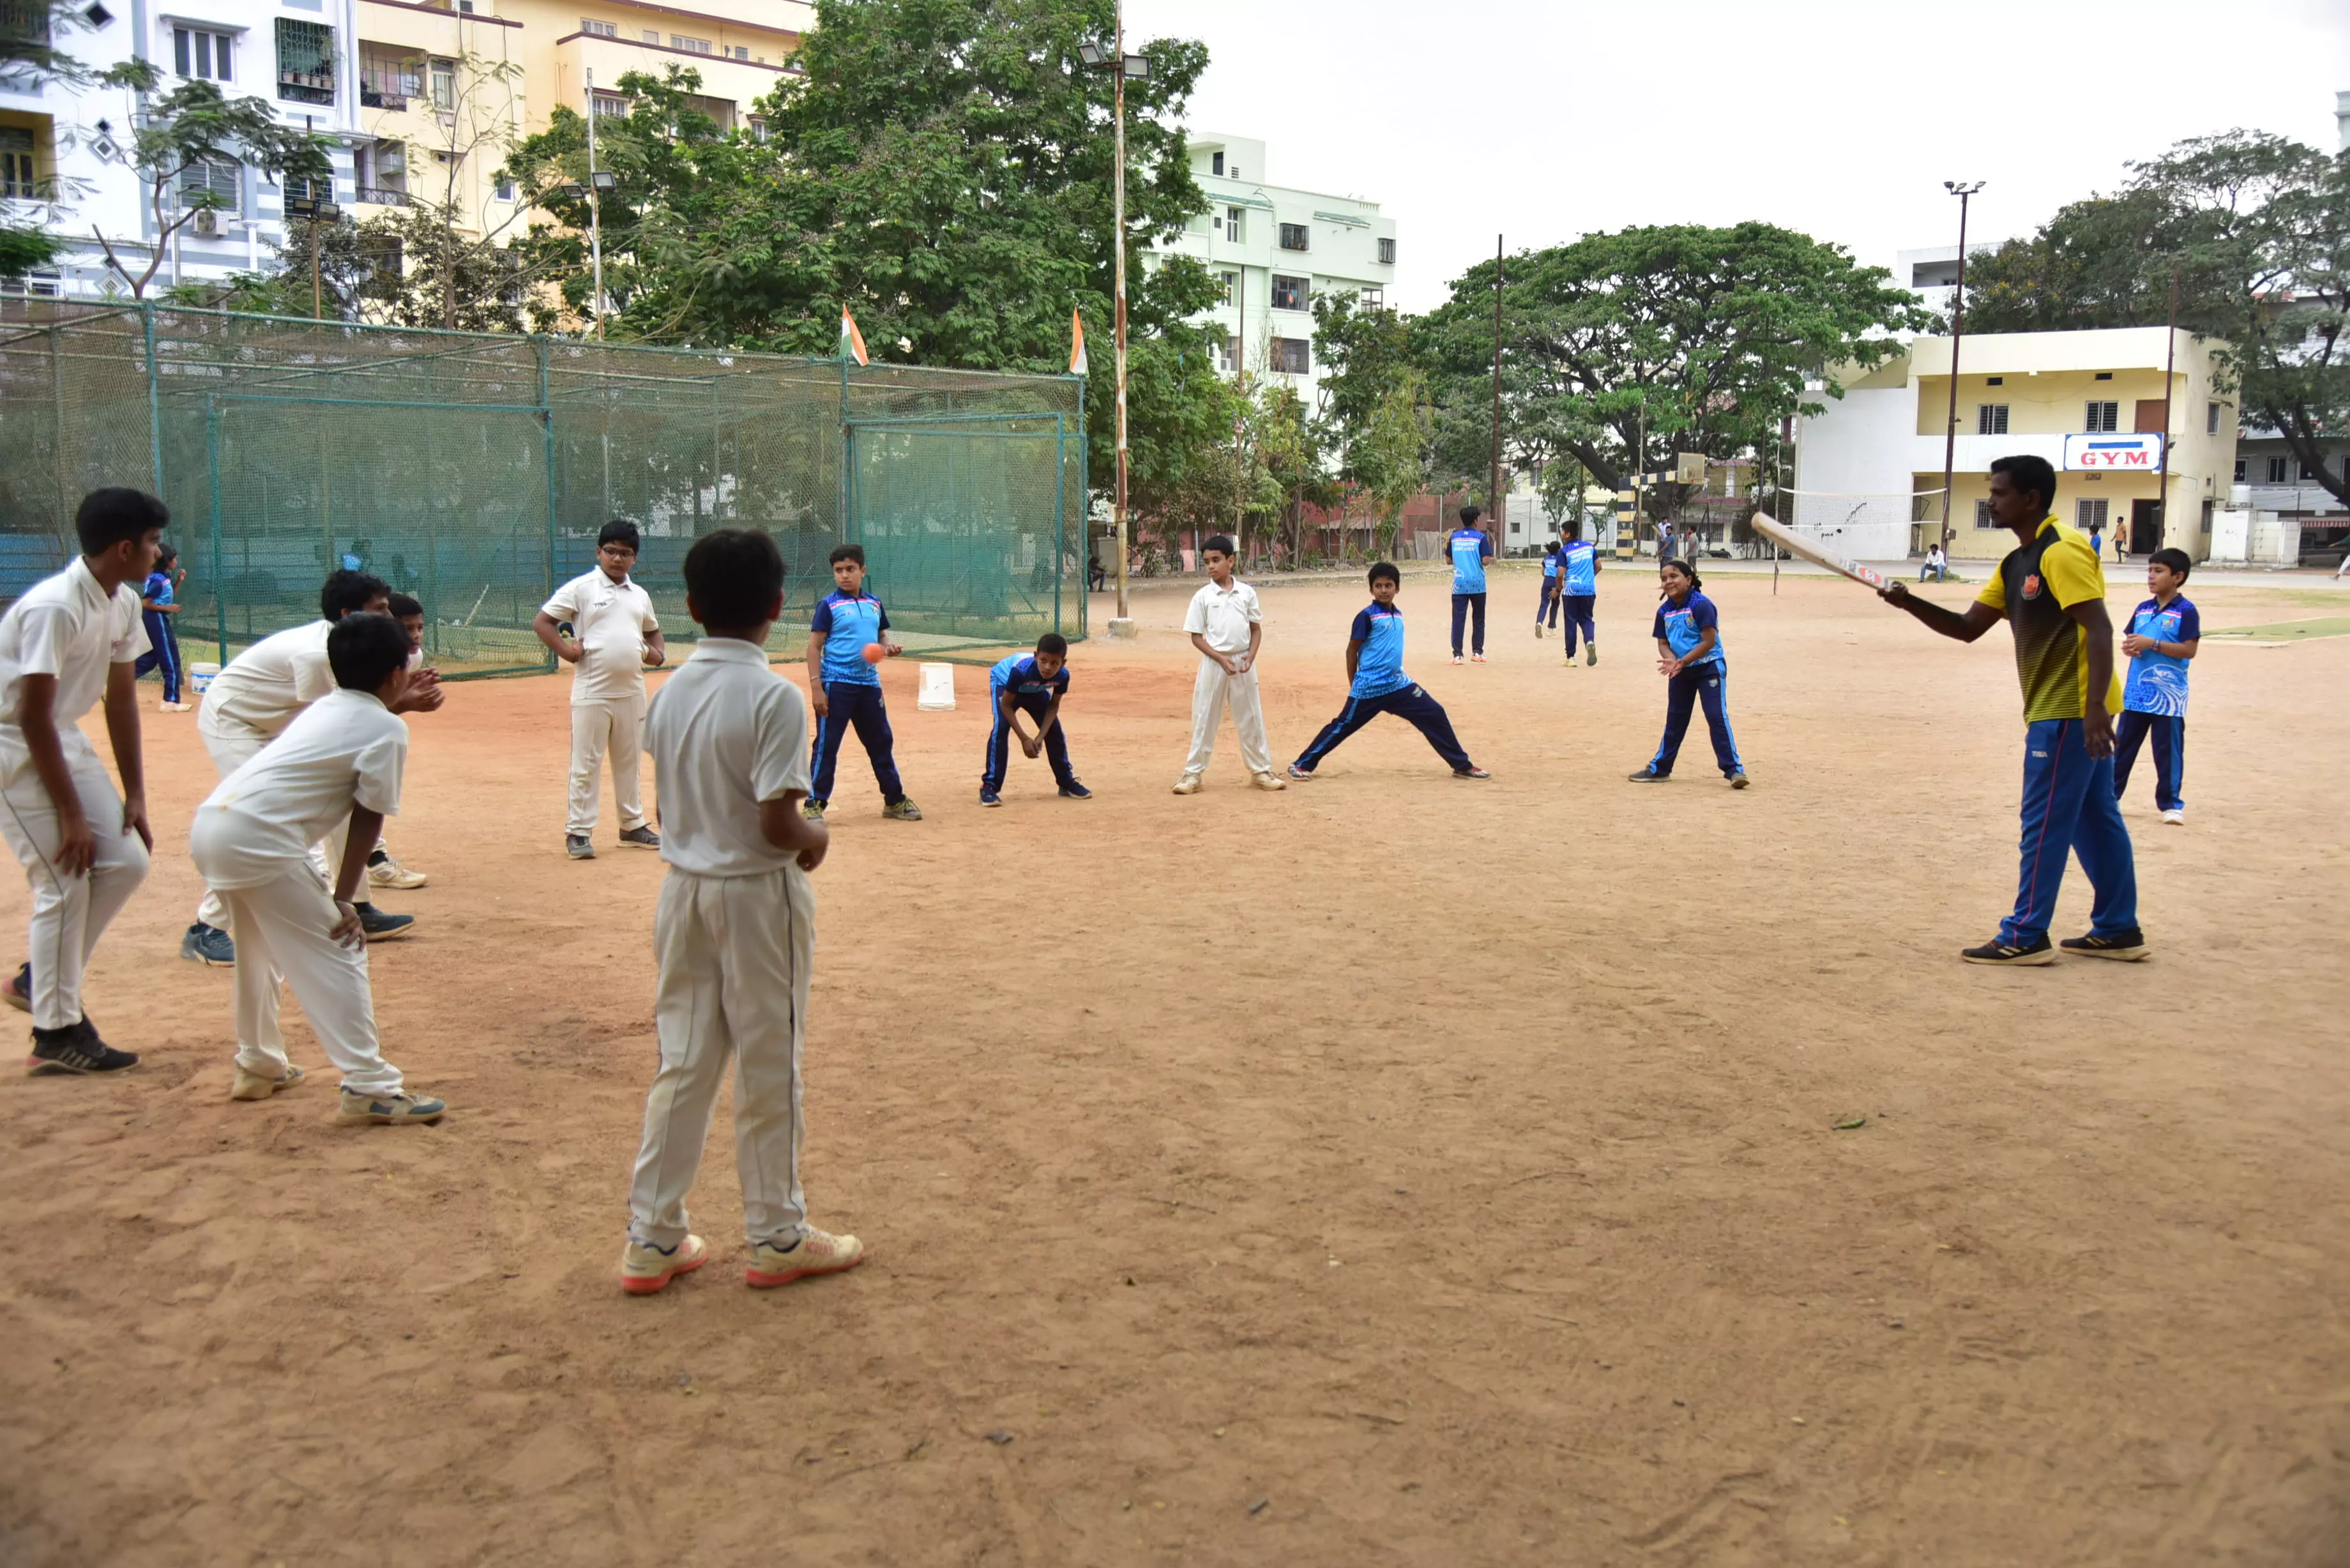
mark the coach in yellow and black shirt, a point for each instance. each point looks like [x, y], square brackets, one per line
[2051, 590]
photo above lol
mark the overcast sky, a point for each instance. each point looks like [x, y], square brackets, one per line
[1543, 120]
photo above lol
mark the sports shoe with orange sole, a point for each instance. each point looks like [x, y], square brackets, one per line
[814, 1252]
[645, 1268]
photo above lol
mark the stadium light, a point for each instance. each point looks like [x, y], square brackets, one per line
[1123, 68]
[1958, 329]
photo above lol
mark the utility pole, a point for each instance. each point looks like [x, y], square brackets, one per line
[1118, 220]
[1494, 502]
[594, 212]
[2170, 365]
[1958, 330]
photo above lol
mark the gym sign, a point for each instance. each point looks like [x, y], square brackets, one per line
[2123, 453]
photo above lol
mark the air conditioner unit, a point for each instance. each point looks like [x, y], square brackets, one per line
[208, 220]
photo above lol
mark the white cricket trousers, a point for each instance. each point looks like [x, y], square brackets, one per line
[282, 939]
[231, 746]
[1210, 692]
[734, 955]
[70, 913]
[616, 726]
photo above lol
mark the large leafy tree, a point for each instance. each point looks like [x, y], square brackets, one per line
[1684, 337]
[2256, 228]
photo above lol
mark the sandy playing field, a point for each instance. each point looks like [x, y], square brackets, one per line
[1395, 1169]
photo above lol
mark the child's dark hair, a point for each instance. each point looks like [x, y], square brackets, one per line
[1054, 643]
[1686, 569]
[116, 514]
[2175, 559]
[1222, 544]
[365, 649]
[847, 553]
[1385, 569]
[164, 556]
[619, 531]
[733, 577]
[347, 591]
[402, 607]
[1469, 515]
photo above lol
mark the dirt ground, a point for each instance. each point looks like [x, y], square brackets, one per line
[1395, 1169]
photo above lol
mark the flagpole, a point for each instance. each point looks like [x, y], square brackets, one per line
[1122, 626]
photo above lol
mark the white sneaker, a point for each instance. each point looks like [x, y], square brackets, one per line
[1267, 781]
[2176, 817]
[390, 873]
[1187, 785]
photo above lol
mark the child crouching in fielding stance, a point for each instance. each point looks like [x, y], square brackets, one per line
[2165, 633]
[1033, 684]
[1689, 654]
[734, 931]
[341, 757]
[1226, 625]
[1378, 685]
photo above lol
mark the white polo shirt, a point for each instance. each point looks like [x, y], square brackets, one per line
[725, 732]
[1223, 615]
[64, 626]
[346, 749]
[267, 685]
[612, 621]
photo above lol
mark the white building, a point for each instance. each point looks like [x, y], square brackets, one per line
[1932, 273]
[1275, 249]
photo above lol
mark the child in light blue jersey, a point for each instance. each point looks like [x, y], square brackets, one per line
[1376, 684]
[845, 687]
[1546, 606]
[1030, 685]
[1470, 549]
[1689, 654]
[2165, 632]
[1578, 591]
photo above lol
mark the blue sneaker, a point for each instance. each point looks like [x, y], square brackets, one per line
[380, 927]
[989, 797]
[1077, 792]
[399, 1108]
[208, 945]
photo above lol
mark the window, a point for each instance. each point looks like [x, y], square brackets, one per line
[503, 190]
[1293, 355]
[389, 77]
[196, 52]
[1387, 252]
[2211, 419]
[2089, 516]
[444, 85]
[306, 61]
[1291, 293]
[1230, 280]
[18, 181]
[721, 111]
[594, 29]
[2102, 419]
[1231, 225]
[1215, 163]
[220, 179]
[652, 35]
[758, 125]
[2104, 375]
[1990, 419]
[1292, 236]
[1371, 299]
[1994, 381]
[611, 105]
[740, 52]
[1983, 518]
[690, 46]
[1227, 354]
[2241, 466]
[2276, 470]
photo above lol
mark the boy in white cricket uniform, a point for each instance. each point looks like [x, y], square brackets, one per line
[84, 848]
[252, 702]
[1226, 625]
[613, 635]
[734, 931]
[254, 839]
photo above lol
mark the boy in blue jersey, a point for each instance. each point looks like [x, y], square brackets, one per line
[1376, 684]
[2165, 632]
[1689, 654]
[844, 688]
[1579, 590]
[1546, 606]
[158, 609]
[1031, 684]
[1470, 547]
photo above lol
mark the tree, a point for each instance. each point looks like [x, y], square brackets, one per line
[1685, 338]
[2258, 228]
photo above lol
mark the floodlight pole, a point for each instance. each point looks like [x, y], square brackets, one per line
[1958, 329]
[594, 212]
[1117, 221]
[2170, 368]
[1494, 500]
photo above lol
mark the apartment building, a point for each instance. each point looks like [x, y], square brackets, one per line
[1276, 249]
[422, 99]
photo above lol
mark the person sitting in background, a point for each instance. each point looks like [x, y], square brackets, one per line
[1936, 566]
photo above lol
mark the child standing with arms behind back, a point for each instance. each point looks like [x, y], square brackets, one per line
[2165, 633]
[734, 931]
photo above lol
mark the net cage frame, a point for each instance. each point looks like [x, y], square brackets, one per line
[474, 471]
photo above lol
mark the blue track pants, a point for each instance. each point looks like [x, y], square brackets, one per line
[854, 705]
[1706, 685]
[2069, 807]
[2167, 731]
[1410, 704]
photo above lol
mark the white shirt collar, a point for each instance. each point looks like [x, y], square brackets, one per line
[85, 581]
[729, 650]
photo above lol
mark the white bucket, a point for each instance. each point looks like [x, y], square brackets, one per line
[199, 678]
[937, 695]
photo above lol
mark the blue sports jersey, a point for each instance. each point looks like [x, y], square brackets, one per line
[848, 622]
[2157, 682]
[1550, 563]
[1682, 627]
[1582, 563]
[159, 588]
[1379, 668]
[1017, 673]
[1470, 546]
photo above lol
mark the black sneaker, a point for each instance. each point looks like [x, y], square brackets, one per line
[18, 993]
[641, 837]
[75, 1050]
[1738, 779]
[2128, 946]
[1648, 776]
[1077, 792]
[579, 845]
[990, 797]
[380, 927]
[1996, 951]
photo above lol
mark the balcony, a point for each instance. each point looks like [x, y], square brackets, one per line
[377, 98]
[738, 83]
[379, 196]
[306, 87]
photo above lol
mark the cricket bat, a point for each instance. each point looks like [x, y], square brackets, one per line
[1818, 555]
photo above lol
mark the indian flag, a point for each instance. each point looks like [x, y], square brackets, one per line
[852, 341]
[1077, 340]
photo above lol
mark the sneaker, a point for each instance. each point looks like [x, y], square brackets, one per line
[380, 927]
[1738, 779]
[989, 797]
[812, 1252]
[177, 707]
[393, 1110]
[1476, 659]
[251, 1085]
[1267, 781]
[75, 1050]
[383, 871]
[1187, 785]
[2128, 946]
[1075, 791]
[1648, 776]
[208, 945]
[645, 1268]
[902, 809]
[1996, 951]
[579, 847]
[18, 993]
[813, 809]
[2176, 817]
[1456, 659]
[1303, 775]
[1569, 659]
[1538, 628]
[641, 837]
[1591, 654]
[1471, 774]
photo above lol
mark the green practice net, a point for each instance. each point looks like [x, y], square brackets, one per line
[474, 471]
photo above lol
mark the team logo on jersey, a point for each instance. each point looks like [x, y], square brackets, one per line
[2031, 585]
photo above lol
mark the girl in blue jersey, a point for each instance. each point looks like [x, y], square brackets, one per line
[1688, 655]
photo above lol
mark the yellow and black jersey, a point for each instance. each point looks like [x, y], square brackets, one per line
[2033, 588]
